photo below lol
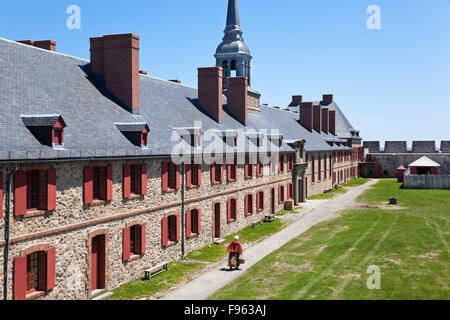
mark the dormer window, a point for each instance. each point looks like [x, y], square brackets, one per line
[47, 129]
[276, 139]
[136, 133]
[229, 137]
[255, 138]
[192, 136]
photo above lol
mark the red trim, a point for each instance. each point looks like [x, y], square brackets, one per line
[51, 267]
[20, 277]
[126, 181]
[188, 224]
[143, 238]
[178, 227]
[164, 229]
[126, 244]
[109, 183]
[51, 189]
[20, 193]
[88, 185]
[144, 179]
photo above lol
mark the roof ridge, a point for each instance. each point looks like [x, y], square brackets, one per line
[43, 50]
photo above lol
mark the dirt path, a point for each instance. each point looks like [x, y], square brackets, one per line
[218, 275]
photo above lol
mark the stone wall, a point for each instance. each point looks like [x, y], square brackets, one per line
[67, 228]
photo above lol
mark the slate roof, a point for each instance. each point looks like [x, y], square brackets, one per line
[40, 120]
[39, 82]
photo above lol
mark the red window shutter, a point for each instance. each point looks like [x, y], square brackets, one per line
[178, 177]
[51, 263]
[188, 224]
[235, 168]
[51, 189]
[109, 183]
[165, 176]
[20, 278]
[221, 172]
[246, 170]
[20, 193]
[88, 185]
[279, 194]
[257, 201]
[213, 173]
[229, 172]
[246, 205]
[144, 178]
[258, 167]
[229, 210]
[1, 195]
[126, 244]
[126, 181]
[143, 238]
[199, 221]
[178, 227]
[164, 230]
[199, 174]
[188, 175]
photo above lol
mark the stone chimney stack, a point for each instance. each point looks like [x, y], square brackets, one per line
[297, 99]
[116, 59]
[317, 118]
[210, 91]
[325, 120]
[237, 98]
[306, 115]
[332, 122]
[327, 98]
[49, 45]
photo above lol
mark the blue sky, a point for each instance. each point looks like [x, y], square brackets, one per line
[393, 83]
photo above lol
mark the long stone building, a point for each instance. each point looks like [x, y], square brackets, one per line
[106, 171]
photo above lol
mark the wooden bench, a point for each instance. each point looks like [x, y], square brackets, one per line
[154, 271]
[256, 224]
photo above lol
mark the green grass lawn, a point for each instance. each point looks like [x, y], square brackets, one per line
[216, 252]
[184, 271]
[329, 194]
[356, 182]
[409, 243]
[177, 272]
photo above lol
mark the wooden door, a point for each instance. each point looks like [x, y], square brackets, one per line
[272, 201]
[217, 220]
[98, 263]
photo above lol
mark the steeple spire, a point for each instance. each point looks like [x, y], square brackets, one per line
[233, 22]
[233, 54]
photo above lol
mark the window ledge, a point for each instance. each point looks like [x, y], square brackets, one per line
[193, 235]
[216, 183]
[169, 190]
[134, 257]
[232, 180]
[96, 203]
[34, 213]
[171, 243]
[193, 187]
[34, 295]
[134, 196]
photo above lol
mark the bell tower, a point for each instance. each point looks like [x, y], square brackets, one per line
[232, 54]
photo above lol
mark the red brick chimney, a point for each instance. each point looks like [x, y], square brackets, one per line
[332, 122]
[237, 98]
[49, 45]
[317, 118]
[210, 91]
[297, 99]
[327, 98]
[306, 115]
[116, 58]
[325, 120]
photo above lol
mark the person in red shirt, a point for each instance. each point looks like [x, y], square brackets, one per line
[235, 251]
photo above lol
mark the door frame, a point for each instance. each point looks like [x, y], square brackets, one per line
[104, 233]
[217, 220]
